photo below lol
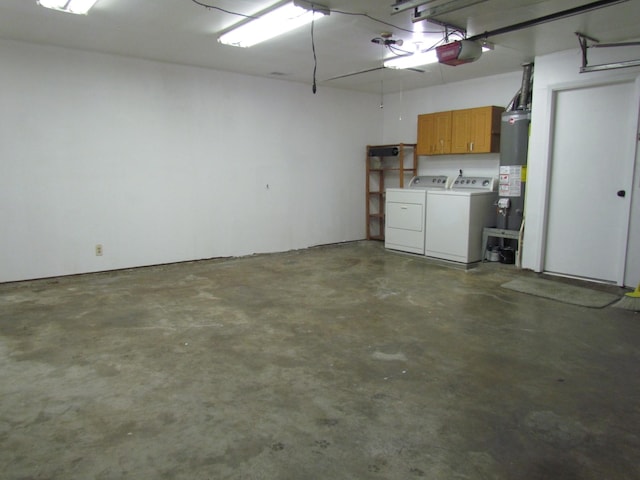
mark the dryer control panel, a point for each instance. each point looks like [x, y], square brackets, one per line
[486, 184]
[429, 181]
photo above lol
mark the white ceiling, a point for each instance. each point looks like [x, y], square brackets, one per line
[180, 31]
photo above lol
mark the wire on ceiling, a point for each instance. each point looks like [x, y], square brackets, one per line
[359, 14]
[366, 15]
[383, 45]
[314, 88]
[396, 51]
[213, 7]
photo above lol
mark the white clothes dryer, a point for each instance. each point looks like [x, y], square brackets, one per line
[405, 211]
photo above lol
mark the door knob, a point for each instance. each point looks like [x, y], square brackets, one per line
[622, 193]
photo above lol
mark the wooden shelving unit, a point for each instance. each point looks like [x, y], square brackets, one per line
[386, 170]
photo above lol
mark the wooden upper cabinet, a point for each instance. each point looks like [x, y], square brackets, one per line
[434, 133]
[473, 130]
[476, 130]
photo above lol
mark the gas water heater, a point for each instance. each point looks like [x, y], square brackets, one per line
[514, 145]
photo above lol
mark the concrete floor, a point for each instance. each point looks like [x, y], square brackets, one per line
[337, 362]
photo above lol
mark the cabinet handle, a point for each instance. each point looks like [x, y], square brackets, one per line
[471, 145]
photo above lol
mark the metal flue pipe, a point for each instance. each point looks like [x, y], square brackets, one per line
[525, 89]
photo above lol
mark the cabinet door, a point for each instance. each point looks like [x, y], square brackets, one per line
[442, 138]
[460, 131]
[426, 125]
[434, 133]
[484, 133]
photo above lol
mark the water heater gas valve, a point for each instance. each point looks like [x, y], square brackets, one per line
[503, 203]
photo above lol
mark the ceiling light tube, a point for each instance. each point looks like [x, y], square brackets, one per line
[274, 22]
[79, 7]
[414, 60]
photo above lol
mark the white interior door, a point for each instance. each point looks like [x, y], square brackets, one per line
[591, 180]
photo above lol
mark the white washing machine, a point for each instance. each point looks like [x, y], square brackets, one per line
[456, 217]
[405, 213]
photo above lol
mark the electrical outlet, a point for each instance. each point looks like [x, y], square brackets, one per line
[98, 250]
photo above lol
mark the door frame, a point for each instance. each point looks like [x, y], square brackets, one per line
[552, 95]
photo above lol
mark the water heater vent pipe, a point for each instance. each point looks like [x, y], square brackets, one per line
[525, 90]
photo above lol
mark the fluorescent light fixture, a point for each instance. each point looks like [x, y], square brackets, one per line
[274, 22]
[414, 60]
[422, 58]
[79, 7]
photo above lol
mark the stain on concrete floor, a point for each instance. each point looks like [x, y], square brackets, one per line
[342, 362]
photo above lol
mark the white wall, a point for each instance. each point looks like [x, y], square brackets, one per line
[162, 163]
[555, 71]
[402, 109]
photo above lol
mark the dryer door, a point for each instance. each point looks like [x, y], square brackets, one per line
[405, 222]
